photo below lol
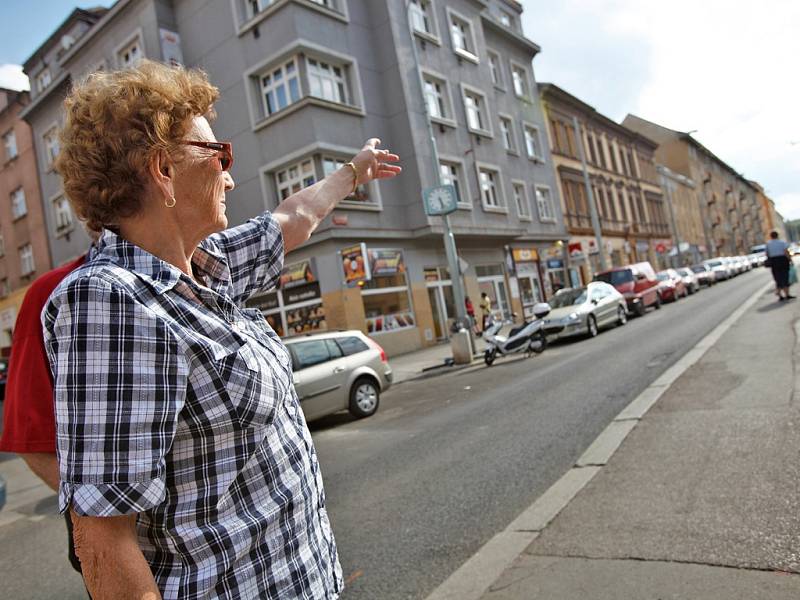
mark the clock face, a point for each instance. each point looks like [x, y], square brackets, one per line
[440, 200]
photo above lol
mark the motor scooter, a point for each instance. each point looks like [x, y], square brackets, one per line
[528, 337]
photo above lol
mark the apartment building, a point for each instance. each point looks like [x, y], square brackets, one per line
[304, 83]
[625, 187]
[24, 252]
[729, 202]
[771, 219]
[686, 220]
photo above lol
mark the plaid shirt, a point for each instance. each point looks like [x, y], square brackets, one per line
[175, 403]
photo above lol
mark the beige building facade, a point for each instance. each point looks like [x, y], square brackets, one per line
[624, 182]
[771, 219]
[686, 220]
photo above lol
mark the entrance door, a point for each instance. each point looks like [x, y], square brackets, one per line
[530, 292]
[495, 288]
[443, 307]
[439, 329]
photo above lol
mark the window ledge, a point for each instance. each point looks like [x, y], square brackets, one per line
[443, 121]
[356, 205]
[464, 206]
[547, 220]
[302, 103]
[467, 55]
[512, 152]
[482, 132]
[500, 88]
[64, 231]
[527, 219]
[19, 218]
[252, 23]
[427, 37]
[495, 209]
[536, 159]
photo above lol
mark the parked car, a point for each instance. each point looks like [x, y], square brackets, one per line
[718, 268]
[705, 276]
[584, 310]
[337, 371]
[637, 283]
[3, 377]
[689, 279]
[670, 287]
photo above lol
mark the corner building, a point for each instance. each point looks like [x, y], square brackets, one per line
[305, 82]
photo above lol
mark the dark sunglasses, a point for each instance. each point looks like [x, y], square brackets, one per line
[224, 148]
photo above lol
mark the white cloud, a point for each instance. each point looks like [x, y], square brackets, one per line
[12, 77]
[722, 68]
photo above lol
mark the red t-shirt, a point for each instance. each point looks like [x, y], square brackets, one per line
[29, 420]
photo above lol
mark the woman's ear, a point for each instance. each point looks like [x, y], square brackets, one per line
[161, 171]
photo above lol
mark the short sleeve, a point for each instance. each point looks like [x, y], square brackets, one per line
[119, 385]
[254, 252]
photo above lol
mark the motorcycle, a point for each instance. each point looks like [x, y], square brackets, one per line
[529, 337]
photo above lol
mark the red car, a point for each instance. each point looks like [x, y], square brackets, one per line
[671, 286]
[637, 283]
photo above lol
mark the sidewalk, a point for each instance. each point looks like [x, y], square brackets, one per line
[691, 492]
[702, 499]
[428, 361]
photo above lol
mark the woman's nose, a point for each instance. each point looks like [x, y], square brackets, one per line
[229, 184]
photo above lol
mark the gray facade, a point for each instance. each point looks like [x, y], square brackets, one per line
[305, 82]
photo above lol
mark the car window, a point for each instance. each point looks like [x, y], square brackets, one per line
[351, 345]
[333, 349]
[598, 294]
[569, 297]
[308, 354]
[615, 277]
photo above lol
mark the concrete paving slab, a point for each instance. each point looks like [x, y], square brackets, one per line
[549, 577]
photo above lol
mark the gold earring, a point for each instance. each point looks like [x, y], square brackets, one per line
[170, 203]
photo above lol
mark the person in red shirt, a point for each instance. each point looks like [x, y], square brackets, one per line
[29, 423]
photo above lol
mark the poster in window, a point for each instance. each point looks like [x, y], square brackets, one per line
[297, 274]
[305, 319]
[386, 262]
[355, 264]
[170, 47]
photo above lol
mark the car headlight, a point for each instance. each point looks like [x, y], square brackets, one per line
[573, 317]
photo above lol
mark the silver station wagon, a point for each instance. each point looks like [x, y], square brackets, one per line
[338, 370]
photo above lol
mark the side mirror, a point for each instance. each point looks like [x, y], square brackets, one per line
[594, 301]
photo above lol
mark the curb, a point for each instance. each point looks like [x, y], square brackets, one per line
[474, 577]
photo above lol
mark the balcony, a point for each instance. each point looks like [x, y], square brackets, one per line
[614, 226]
[577, 221]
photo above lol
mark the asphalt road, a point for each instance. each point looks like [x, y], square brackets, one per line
[449, 461]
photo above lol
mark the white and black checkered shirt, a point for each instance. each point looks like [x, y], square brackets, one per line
[175, 403]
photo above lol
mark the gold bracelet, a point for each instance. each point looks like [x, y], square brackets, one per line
[355, 175]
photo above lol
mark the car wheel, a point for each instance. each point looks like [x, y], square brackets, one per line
[641, 309]
[622, 315]
[364, 398]
[591, 326]
[489, 356]
[657, 305]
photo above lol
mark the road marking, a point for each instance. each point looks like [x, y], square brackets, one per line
[475, 576]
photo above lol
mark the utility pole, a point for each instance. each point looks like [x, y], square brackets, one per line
[589, 195]
[449, 240]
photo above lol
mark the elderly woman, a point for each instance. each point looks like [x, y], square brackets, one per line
[183, 452]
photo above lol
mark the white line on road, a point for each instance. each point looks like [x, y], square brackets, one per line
[475, 576]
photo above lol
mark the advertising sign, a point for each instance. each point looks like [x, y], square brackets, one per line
[525, 255]
[575, 250]
[300, 273]
[355, 264]
[386, 262]
[170, 47]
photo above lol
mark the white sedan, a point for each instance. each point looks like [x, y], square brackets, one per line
[584, 310]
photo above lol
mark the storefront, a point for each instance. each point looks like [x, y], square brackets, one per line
[296, 307]
[386, 295]
[492, 281]
[526, 266]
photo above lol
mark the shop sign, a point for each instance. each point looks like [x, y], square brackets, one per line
[355, 264]
[525, 255]
[527, 268]
[302, 294]
[265, 302]
[642, 246]
[555, 263]
[593, 247]
[300, 273]
[575, 250]
[386, 262]
[662, 246]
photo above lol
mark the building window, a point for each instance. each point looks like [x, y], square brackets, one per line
[280, 87]
[332, 164]
[327, 81]
[520, 78]
[10, 143]
[490, 192]
[507, 133]
[421, 16]
[462, 37]
[477, 114]
[521, 200]
[496, 68]
[4, 289]
[295, 178]
[386, 298]
[612, 152]
[544, 204]
[451, 175]
[326, 3]
[533, 145]
[27, 266]
[43, 79]
[590, 144]
[51, 146]
[506, 20]
[63, 214]
[435, 91]
[18, 206]
[131, 54]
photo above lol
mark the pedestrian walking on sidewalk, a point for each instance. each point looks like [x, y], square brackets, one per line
[29, 423]
[486, 309]
[780, 262]
[471, 314]
[184, 456]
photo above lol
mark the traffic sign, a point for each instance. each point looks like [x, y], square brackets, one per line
[440, 200]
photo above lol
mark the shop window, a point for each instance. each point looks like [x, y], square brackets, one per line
[386, 297]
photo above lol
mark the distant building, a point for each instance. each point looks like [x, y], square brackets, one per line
[686, 219]
[771, 220]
